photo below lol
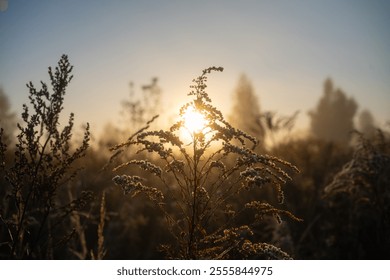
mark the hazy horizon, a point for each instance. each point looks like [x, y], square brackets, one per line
[286, 48]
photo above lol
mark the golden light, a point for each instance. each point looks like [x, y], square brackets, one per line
[194, 121]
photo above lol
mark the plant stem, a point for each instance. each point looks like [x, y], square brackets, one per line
[194, 202]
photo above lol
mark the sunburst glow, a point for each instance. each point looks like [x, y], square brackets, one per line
[194, 121]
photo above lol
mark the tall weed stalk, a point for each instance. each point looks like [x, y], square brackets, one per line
[197, 181]
[34, 215]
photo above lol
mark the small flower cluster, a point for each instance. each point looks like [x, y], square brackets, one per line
[228, 235]
[262, 250]
[128, 183]
[255, 177]
[200, 84]
[133, 185]
[154, 147]
[143, 164]
[175, 165]
[148, 140]
[260, 169]
[164, 136]
[263, 209]
[218, 164]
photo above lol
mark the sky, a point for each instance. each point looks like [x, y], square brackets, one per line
[286, 48]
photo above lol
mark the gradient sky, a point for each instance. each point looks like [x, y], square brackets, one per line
[286, 48]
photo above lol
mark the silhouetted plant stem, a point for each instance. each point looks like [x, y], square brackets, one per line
[194, 201]
[203, 176]
[42, 163]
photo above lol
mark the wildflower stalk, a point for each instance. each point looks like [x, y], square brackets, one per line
[41, 166]
[210, 172]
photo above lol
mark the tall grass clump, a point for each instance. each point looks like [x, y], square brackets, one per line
[34, 213]
[195, 174]
[358, 203]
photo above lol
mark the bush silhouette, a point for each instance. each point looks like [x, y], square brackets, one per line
[34, 211]
[199, 181]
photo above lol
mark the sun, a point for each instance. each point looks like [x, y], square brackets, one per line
[194, 121]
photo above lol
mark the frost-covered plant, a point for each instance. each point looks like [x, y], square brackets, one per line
[358, 203]
[203, 166]
[43, 162]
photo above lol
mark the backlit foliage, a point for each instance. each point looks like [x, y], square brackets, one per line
[202, 189]
[200, 179]
[33, 211]
[359, 198]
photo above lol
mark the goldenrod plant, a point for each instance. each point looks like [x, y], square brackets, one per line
[358, 203]
[33, 212]
[203, 165]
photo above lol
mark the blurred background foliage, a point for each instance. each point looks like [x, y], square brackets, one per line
[342, 192]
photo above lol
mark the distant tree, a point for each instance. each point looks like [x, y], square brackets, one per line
[7, 118]
[332, 120]
[366, 123]
[246, 114]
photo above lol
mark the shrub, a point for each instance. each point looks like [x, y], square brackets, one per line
[320, 160]
[199, 181]
[42, 165]
[358, 204]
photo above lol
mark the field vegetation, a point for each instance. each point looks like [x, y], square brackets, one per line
[206, 187]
